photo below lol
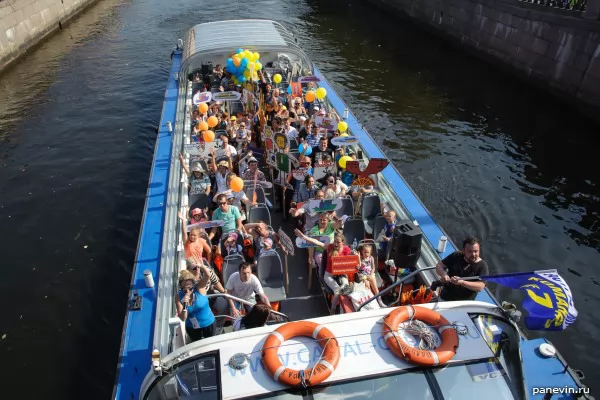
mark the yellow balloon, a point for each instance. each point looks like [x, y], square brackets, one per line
[277, 78]
[342, 161]
[247, 74]
[321, 93]
[256, 56]
[344, 135]
[342, 126]
[257, 66]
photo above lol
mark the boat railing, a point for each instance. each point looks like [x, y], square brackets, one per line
[395, 285]
[170, 262]
[245, 302]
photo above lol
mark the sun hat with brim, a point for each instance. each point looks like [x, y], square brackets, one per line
[196, 211]
[252, 159]
[234, 118]
[223, 164]
[197, 167]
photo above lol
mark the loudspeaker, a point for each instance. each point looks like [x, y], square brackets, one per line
[207, 68]
[406, 244]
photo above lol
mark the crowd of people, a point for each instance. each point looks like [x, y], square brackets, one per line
[235, 156]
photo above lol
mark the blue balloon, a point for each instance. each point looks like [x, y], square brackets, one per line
[289, 89]
[244, 62]
[308, 149]
[242, 79]
[239, 51]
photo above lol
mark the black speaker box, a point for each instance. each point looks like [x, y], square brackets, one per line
[405, 247]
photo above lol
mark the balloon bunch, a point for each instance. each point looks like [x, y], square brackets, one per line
[244, 66]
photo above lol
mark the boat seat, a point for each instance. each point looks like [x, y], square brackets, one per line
[354, 228]
[260, 193]
[260, 212]
[371, 207]
[271, 276]
[378, 225]
[347, 207]
[201, 201]
[231, 264]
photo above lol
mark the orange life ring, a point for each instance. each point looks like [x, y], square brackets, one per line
[400, 348]
[311, 376]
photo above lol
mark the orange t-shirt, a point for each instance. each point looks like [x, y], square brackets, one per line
[195, 249]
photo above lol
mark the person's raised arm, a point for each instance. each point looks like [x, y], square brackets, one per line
[207, 250]
[184, 235]
[212, 233]
[213, 165]
[183, 164]
[307, 239]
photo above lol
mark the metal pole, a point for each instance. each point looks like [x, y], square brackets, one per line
[392, 287]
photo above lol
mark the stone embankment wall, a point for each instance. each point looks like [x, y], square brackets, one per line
[557, 48]
[23, 23]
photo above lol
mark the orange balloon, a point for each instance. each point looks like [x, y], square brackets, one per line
[208, 136]
[310, 96]
[212, 121]
[237, 184]
[203, 108]
[202, 126]
[236, 61]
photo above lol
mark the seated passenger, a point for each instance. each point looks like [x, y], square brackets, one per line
[325, 227]
[193, 306]
[462, 264]
[257, 317]
[232, 246]
[246, 286]
[386, 234]
[199, 182]
[229, 214]
[253, 172]
[367, 268]
[334, 187]
[311, 218]
[194, 246]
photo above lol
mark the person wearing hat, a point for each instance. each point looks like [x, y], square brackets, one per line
[197, 216]
[267, 245]
[222, 169]
[198, 181]
[253, 173]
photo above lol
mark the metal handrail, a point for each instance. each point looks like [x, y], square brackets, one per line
[246, 302]
[390, 288]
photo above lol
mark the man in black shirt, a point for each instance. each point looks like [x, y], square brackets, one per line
[462, 264]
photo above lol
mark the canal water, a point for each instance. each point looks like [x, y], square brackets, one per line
[488, 156]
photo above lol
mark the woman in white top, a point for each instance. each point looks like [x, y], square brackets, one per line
[333, 186]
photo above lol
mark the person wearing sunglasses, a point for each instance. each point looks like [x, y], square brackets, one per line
[193, 305]
[229, 214]
[333, 186]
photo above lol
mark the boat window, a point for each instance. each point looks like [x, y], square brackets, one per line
[194, 380]
[503, 339]
[469, 381]
[453, 382]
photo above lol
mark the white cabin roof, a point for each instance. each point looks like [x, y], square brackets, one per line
[362, 348]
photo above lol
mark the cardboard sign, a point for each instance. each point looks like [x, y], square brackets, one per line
[226, 96]
[320, 170]
[206, 224]
[281, 141]
[269, 144]
[263, 184]
[325, 123]
[270, 159]
[309, 78]
[303, 244]
[317, 206]
[283, 162]
[361, 181]
[375, 166]
[201, 149]
[203, 97]
[344, 140]
[300, 173]
[285, 241]
[345, 265]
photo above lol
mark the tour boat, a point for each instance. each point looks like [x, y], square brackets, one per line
[468, 349]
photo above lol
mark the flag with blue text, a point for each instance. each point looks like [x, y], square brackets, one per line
[548, 301]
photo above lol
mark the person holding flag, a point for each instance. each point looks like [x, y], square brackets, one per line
[461, 264]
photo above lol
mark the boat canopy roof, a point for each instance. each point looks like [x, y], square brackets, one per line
[216, 41]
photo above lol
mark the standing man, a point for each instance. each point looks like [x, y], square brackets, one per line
[462, 264]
